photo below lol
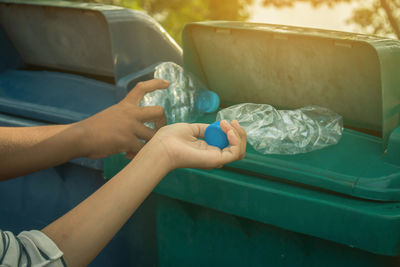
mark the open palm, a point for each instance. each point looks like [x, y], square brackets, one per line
[185, 150]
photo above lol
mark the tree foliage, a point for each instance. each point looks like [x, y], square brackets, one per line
[381, 17]
[174, 14]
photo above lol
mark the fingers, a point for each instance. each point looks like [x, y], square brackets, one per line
[160, 122]
[137, 93]
[224, 126]
[233, 152]
[149, 113]
[198, 129]
[152, 114]
[243, 137]
[237, 140]
[234, 137]
[144, 132]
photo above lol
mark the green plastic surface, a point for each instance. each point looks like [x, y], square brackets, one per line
[367, 225]
[192, 235]
[393, 150]
[371, 226]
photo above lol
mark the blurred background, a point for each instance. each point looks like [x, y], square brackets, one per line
[379, 17]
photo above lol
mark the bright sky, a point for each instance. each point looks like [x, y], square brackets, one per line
[303, 14]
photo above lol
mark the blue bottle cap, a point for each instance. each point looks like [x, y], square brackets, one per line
[207, 101]
[215, 136]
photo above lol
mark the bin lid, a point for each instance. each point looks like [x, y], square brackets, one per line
[86, 38]
[355, 75]
[102, 42]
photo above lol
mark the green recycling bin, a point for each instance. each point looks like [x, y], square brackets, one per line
[339, 206]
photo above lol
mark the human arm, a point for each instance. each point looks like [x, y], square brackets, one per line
[85, 230]
[117, 129]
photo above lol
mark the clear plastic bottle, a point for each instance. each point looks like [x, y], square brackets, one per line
[185, 99]
[271, 131]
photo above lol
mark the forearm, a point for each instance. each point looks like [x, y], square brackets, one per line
[28, 149]
[86, 229]
[116, 129]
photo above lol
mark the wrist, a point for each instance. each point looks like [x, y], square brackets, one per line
[80, 140]
[154, 156]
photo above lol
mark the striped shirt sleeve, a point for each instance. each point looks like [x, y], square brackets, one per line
[29, 248]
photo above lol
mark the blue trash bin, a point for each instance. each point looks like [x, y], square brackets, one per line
[63, 77]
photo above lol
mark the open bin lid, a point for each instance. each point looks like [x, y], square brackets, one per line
[86, 38]
[102, 42]
[355, 75]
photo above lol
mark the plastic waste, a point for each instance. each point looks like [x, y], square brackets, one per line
[185, 99]
[271, 131]
[214, 136]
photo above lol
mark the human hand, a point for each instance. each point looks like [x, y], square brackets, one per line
[180, 144]
[120, 127]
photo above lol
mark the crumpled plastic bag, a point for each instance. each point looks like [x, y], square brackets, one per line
[271, 131]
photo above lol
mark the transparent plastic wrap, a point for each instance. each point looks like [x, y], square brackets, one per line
[185, 99]
[271, 131]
